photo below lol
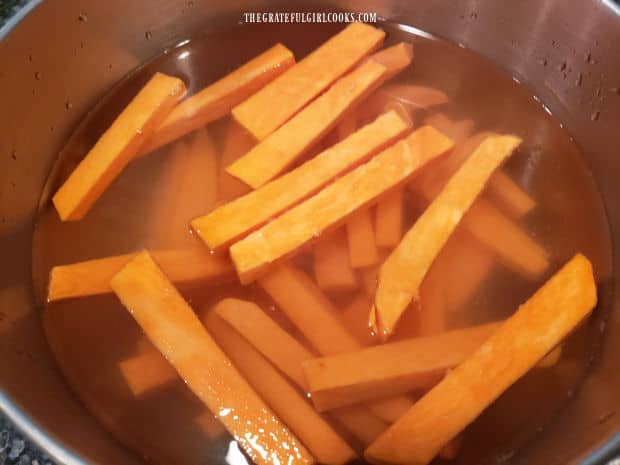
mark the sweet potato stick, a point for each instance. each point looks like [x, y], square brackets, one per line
[539, 325]
[551, 359]
[389, 220]
[432, 316]
[458, 131]
[509, 195]
[287, 354]
[355, 319]
[233, 220]
[237, 142]
[394, 58]
[219, 98]
[92, 277]
[278, 101]
[188, 189]
[336, 203]
[316, 318]
[332, 269]
[361, 238]
[514, 247]
[402, 273]
[293, 409]
[285, 145]
[147, 371]
[170, 323]
[390, 369]
[117, 146]
[418, 96]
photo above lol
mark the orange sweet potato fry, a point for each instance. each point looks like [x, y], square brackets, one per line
[293, 409]
[389, 220]
[147, 371]
[333, 205]
[332, 269]
[237, 142]
[355, 318]
[551, 359]
[417, 96]
[402, 273]
[287, 354]
[278, 151]
[178, 334]
[93, 277]
[394, 58]
[117, 146]
[390, 369]
[278, 101]
[317, 319]
[458, 131]
[433, 314]
[188, 189]
[539, 325]
[361, 239]
[509, 195]
[233, 220]
[219, 98]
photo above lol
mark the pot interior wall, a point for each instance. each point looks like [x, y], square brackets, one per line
[59, 61]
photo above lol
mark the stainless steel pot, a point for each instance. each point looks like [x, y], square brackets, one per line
[75, 51]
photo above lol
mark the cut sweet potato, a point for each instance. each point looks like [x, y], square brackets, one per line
[218, 99]
[93, 277]
[509, 195]
[402, 273]
[390, 369]
[418, 96]
[394, 58]
[433, 312]
[285, 145]
[355, 319]
[293, 409]
[332, 269]
[237, 142]
[274, 104]
[361, 240]
[178, 334]
[188, 189]
[539, 325]
[117, 146]
[514, 247]
[336, 203]
[389, 223]
[147, 371]
[316, 318]
[458, 131]
[240, 216]
[551, 359]
[287, 354]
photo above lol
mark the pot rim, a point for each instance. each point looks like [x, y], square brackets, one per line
[44, 439]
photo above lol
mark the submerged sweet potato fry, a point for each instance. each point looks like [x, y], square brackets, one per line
[117, 146]
[219, 98]
[418, 96]
[147, 371]
[93, 277]
[550, 315]
[394, 58]
[390, 369]
[287, 354]
[317, 319]
[509, 195]
[178, 334]
[188, 189]
[240, 216]
[458, 131]
[336, 202]
[274, 104]
[355, 318]
[293, 409]
[402, 273]
[361, 239]
[389, 222]
[237, 142]
[285, 145]
[332, 269]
